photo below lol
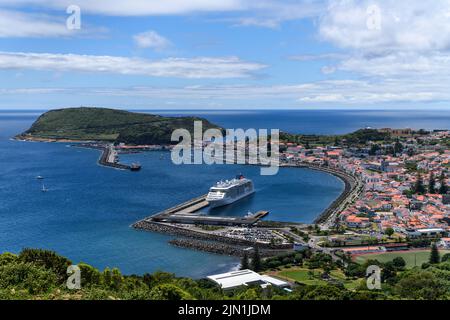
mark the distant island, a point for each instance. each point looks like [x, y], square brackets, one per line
[100, 124]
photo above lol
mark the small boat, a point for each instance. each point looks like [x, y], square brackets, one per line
[39, 177]
[135, 167]
[44, 189]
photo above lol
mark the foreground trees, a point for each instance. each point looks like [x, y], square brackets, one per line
[37, 274]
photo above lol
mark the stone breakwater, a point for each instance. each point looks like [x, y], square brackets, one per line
[221, 248]
[215, 239]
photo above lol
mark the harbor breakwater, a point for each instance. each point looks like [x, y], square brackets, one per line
[210, 242]
[224, 248]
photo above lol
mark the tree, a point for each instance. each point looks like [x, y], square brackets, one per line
[47, 259]
[374, 149]
[443, 188]
[256, 260]
[445, 257]
[244, 261]
[420, 285]
[410, 152]
[116, 278]
[107, 277]
[434, 255]
[158, 277]
[398, 148]
[389, 232]
[249, 294]
[336, 141]
[7, 257]
[168, 291]
[431, 184]
[89, 275]
[419, 187]
[327, 292]
[388, 272]
[399, 262]
[27, 276]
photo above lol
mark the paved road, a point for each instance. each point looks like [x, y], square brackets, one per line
[312, 244]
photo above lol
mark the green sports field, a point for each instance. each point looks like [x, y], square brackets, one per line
[312, 277]
[412, 258]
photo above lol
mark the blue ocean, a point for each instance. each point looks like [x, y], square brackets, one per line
[88, 209]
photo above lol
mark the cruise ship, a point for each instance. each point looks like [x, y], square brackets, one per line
[229, 191]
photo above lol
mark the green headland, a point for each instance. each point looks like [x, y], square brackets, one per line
[100, 124]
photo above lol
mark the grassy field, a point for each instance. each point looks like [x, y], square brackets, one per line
[313, 277]
[412, 258]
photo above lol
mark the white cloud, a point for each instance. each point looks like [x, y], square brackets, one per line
[135, 7]
[315, 57]
[400, 64]
[255, 22]
[151, 39]
[328, 69]
[331, 93]
[400, 48]
[404, 25]
[17, 24]
[406, 60]
[203, 67]
[265, 13]
[271, 13]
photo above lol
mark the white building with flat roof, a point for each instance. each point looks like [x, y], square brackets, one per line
[431, 231]
[235, 279]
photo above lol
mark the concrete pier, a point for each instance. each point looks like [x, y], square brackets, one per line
[109, 156]
[187, 213]
[109, 159]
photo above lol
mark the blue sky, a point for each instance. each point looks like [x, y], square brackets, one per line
[225, 54]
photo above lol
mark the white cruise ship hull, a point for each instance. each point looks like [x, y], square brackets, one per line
[227, 200]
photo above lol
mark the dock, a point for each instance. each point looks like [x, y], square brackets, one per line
[188, 213]
[109, 159]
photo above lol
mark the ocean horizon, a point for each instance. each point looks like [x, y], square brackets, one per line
[320, 122]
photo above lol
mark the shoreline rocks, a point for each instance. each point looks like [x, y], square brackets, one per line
[220, 248]
[191, 234]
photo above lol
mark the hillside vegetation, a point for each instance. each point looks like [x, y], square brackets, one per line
[109, 125]
[42, 275]
[360, 137]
